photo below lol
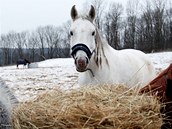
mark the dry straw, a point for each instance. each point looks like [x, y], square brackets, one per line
[96, 107]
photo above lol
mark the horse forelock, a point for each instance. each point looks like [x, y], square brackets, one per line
[85, 17]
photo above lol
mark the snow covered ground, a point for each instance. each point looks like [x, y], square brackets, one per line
[161, 60]
[55, 73]
[27, 83]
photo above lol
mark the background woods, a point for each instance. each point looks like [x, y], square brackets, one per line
[146, 26]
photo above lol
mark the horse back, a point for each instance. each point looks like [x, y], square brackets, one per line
[142, 62]
[132, 66]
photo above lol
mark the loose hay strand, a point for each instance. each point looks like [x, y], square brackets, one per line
[105, 106]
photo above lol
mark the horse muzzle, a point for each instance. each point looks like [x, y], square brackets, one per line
[81, 54]
[81, 64]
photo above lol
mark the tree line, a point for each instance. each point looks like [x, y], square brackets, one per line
[45, 42]
[145, 26]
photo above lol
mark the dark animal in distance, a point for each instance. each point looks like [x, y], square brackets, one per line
[23, 62]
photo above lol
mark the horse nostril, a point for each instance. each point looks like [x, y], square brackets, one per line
[81, 63]
[87, 60]
[76, 60]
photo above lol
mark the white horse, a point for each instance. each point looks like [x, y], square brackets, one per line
[98, 62]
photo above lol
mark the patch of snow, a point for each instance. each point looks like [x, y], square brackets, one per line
[161, 60]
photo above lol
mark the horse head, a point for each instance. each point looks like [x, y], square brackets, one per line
[82, 41]
[27, 61]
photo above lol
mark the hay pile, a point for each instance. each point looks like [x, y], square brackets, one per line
[98, 107]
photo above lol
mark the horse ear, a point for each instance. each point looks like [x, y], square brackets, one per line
[92, 12]
[74, 13]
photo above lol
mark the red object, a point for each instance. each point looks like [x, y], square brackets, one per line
[158, 86]
[161, 87]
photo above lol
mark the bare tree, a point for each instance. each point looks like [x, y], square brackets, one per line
[64, 42]
[50, 38]
[168, 27]
[65, 36]
[130, 40]
[113, 24]
[21, 43]
[100, 6]
[146, 29]
[8, 46]
[158, 20]
[5, 50]
[33, 45]
[42, 44]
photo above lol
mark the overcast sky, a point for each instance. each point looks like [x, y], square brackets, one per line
[21, 15]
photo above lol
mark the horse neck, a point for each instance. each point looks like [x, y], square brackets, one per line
[27, 61]
[101, 42]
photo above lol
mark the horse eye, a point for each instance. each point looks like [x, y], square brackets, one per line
[71, 33]
[93, 33]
